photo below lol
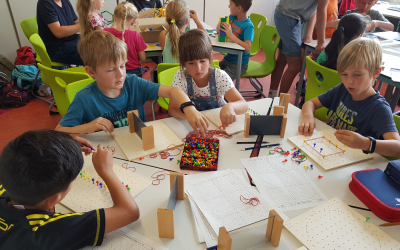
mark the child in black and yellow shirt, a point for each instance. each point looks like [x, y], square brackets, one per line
[36, 172]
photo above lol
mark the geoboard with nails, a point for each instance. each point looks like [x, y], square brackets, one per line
[132, 145]
[234, 128]
[334, 225]
[89, 192]
[327, 151]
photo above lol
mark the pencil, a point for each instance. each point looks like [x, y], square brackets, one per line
[389, 224]
[264, 146]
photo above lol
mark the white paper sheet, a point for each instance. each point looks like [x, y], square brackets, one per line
[283, 184]
[123, 239]
[199, 234]
[217, 195]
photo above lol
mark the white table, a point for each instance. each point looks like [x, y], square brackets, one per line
[391, 61]
[226, 47]
[382, 7]
[333, 184]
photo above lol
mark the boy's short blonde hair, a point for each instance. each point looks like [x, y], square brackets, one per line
[99, 47]
[363, 51]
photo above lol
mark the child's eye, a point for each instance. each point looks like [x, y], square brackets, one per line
[110, 70]
[357, 75]
[344, 74]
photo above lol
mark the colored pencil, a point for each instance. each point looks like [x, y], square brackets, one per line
[264, 146]
[389, 224]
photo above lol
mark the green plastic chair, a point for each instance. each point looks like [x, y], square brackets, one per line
[58, 87]
[315, 87]
[29, 27]
[259, 21]
[269, 40]
[169, 70]
[74, 87]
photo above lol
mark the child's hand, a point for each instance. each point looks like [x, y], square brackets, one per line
[193, 15]
[307, 126]
[227, 115]
[100, 124]
[196, 120]
[86, 147]
[218, 28]
[353, 140]
[227, 29]
[149, 12]
[103, 161]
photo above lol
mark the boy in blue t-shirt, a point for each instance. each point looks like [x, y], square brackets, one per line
[103, 104]
[362, 117]
[36, 172]
[241, 31]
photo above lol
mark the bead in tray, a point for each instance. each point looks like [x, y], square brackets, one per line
[200, 154]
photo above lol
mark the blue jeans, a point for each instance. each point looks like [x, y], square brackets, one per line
[137, 71]
[68, 53]
[290, 31]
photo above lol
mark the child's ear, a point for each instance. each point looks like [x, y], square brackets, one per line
[378, 72]
[53, 200]
[133, 23]
[90, 72]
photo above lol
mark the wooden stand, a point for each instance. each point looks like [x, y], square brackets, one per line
[284, 100]
[165, 217]
[266, 124]
[146, 133]
[273, 234]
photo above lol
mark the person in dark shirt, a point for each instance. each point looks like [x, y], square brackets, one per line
[36, 172]
[58, 25]
[146, 7]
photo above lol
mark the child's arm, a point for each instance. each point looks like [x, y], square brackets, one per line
[142, 55]
[236, 106]
[228, 31]
[382, 24]
[310, 28]
[390, 146]
[88, 128]
[63, 31]
[194, 16]
[147, 13]
[86, 147]
[196, 120]
[125, 210]
[163, 36]
[321, 25]
[332, 24]
[307, 124]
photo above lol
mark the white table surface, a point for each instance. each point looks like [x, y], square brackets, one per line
[333, 184]
[382, 7]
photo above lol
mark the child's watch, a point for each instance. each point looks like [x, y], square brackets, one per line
[372, 147]
[186, 104]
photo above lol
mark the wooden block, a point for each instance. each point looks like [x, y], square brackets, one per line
[274, 228]
[224, 239]
[165, 218]
[246, 125]
[148, 137]
[136, 113]
[286, 99]
[283, 126]
[278, 110]
[180, 182]
[131, 123]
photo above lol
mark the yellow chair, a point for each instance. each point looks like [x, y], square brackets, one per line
[29, 27]
[74, 87]
[315, 86]
[169, 70]
[64, 78]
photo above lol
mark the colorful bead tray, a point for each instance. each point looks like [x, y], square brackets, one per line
[200, 154]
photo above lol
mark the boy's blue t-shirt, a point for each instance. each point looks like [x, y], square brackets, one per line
[369, 117]
[244, 30]
[47, 12]
[90, 103]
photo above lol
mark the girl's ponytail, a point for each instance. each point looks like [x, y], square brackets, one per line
[125, 11]
[177, 13]
[83, 8]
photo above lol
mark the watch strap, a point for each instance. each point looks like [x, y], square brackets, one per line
[186, 104]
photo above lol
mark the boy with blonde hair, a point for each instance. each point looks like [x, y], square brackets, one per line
[241, 31]
[362, 117]
[36, 172]
[103, 104]
[378, 21]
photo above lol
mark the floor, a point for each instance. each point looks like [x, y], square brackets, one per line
[35, 115]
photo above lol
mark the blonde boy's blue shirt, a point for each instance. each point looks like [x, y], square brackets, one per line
[369, 117]
[90, 103]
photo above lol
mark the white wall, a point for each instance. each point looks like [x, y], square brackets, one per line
[8, 38]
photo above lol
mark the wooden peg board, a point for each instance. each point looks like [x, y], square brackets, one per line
[234, 128]
[350, 156]
[334, 225]
[85, 196]
[132, 145]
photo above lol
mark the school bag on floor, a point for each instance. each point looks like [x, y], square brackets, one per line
[11, 96]
[24, 76]
[379, 190]
[25, 56]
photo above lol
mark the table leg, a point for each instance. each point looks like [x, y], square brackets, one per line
[301, 77]
[239, 69]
